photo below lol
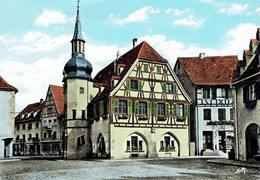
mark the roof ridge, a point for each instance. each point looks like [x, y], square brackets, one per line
[141, 48]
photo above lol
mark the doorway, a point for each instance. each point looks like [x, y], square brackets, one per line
[251, 140]
[207, 140]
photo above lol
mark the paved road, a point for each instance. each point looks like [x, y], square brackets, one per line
[131, 169]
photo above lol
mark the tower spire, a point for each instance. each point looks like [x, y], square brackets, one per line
[77, 31]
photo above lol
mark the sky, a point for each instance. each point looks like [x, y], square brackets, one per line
[35, 35]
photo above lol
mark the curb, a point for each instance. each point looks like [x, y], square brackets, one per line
[233, 164]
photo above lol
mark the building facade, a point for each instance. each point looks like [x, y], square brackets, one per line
[28, 130]
[246, 88]
[7, 116]
[52, 122]
[207, 81]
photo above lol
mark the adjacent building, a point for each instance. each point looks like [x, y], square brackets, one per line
[51, 122]
[7, 116]
[207, 80]
[246, 87]
[28, 130]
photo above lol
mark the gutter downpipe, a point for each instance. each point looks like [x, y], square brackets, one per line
[236, 127]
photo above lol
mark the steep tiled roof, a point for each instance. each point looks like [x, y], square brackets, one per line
[248, 52]
[5, 86]
[142, 51]
[31, 113]
[213, 70]
[58, 96]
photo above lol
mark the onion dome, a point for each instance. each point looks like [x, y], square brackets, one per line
[78, 67]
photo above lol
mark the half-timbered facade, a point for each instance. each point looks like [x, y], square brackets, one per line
[141, 109]
[246, 88]
[28, 130]
[51, 122]
[207, 81]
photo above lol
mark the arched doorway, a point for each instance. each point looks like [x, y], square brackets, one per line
[101, 147]
[251, 140]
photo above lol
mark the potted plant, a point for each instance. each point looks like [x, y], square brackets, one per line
[134, 148]
[161, 118]
[181, 119]
[122, 116]
[142, 117]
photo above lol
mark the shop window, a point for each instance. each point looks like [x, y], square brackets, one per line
[207, 114]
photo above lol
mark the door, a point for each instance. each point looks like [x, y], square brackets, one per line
[207, 140]
[221, 141]
[251, 140]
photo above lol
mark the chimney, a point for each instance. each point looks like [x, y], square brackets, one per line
[201, 55]
[134, 41]
[41, 101]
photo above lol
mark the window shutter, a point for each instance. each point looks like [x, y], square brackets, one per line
[213, 94]
[175, 109]
[116, 105]
[166, 109]
[101, 108]
[155, 108]
[230, 95]
[257, 90]
[245, 94]
[136, 107]
[164, 87]
[128, 84]
[149, 108]
[129, 107]
[140, 85]
[204, 93]
[174, 88]
[186, 110]
[231, 114]
[108, 106]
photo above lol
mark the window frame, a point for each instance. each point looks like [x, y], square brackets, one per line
[169, 88]
[224, 116]
[179, 110]
[142, 108]
[122, 106]
[252, 92]
[209, 119]
[161, 109]
[134, 84]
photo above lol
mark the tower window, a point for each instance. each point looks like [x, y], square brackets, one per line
[81, 90]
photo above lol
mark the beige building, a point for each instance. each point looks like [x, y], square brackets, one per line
[7, 116]
[28, 130]
[246, 90]
[51, 122]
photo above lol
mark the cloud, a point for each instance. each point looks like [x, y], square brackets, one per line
[140, 15]
[209, 1]
[258, 10]
[234, 9]
[189, 21]
[49, 17]
[34, 42]
[177, 12]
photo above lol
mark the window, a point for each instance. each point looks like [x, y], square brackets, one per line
[142, 108]
[18, 137]
[207, 114]
[221, 93]
[128, 145]
[140, 145]
[45, 123]
[81, 90]
[221, 114]
[134, 143]
[30, 137]
[37, 125]
[213, 93]
[167, 141]
[83, 114]
[30, 126]
[55, 122]
[161, 109]
[231, 114]
[206, 93]
[18, 127]
[169, 88]
[49, 134]
[180, 110]
[251, 92]
[158, 69]
[74, 114]
[134, 84]
[81, 140]
[37, 136]
[24, 138]
[54, 135]
[122, 106]
[145, 68]
[49, 110]
[23, 126]
[50, 123]
[45, 135]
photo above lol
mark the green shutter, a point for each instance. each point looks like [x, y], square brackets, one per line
[136, 107]
[174, 88]
[155, 108]
[128, 84]
[140, 85]
[186, 110]
[101, 108]
[108, 106]
[129, 107]
[222, 114]
[116, 106]
[149, 109]
[166, 109]
[230, 93]
[231, 114]
[214, 93]
[164, 87]
[175, 109]
[204, 93]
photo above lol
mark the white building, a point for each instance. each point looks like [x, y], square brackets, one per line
[207, 81]
[7, 110]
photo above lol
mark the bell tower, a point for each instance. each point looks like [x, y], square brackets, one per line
[78, 85]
